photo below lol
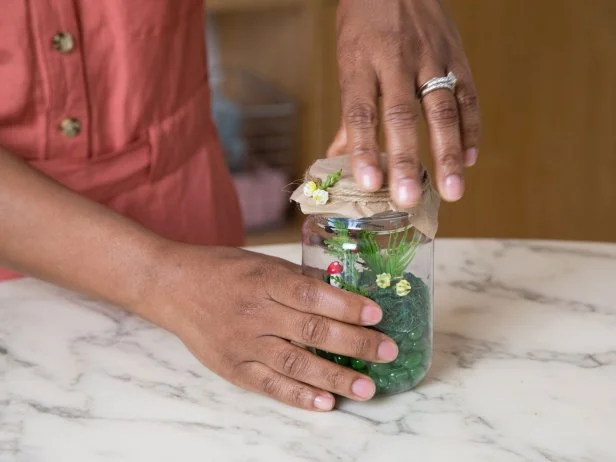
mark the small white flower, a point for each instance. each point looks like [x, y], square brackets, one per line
[310, 188]
[403, 288]
[383, 280]
[320, 197]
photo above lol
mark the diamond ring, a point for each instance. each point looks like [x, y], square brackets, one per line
[437, 83]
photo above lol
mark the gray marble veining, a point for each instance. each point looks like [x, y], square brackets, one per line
[524, 370]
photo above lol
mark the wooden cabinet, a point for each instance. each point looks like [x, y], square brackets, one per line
[546, 75]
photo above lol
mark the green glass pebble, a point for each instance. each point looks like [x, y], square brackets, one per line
[381, 382]
[398, 337]
[379, 369]
[417, 372]
[413, 359]
[399, 376]
[358, 364]
[399, 361]
[416, 333]
[342, 360]
[420, 345]
[406, 344]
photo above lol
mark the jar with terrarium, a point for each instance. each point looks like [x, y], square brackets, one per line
[364, 244]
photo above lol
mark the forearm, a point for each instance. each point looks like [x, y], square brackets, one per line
[50, 232]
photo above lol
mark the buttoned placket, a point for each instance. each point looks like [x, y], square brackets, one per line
[68, 118]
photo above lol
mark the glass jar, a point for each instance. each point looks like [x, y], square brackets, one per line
[389, 261]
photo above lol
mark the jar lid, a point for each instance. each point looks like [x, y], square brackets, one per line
[330, 189]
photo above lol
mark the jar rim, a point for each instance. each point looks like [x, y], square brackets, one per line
[380, 220]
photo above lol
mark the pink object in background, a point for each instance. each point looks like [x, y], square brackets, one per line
[262, 197]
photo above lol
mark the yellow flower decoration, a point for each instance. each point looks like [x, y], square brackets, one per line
[310, 188]
[320, 197]
[317, 189]
[383, 280]
[403, 288]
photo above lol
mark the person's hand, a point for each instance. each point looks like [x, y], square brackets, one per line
[389, 48]
[238, 313]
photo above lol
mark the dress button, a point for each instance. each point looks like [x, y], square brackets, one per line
[63, 42]
[70, 127]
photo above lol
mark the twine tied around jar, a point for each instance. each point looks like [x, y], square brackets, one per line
[329, 188]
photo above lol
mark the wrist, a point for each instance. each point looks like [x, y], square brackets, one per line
[174, 273]
[149, 281]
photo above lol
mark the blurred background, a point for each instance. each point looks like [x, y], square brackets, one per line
[546, 76]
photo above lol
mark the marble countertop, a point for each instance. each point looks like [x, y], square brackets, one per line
[524, 370]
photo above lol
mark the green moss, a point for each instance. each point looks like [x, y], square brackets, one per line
[404, 314]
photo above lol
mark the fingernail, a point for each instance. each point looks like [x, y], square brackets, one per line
[324, 403]
[409, 192]
[388, 351]
[453, 187]
[369, 177]
[470, 157]
[363, 388]
[371, 314]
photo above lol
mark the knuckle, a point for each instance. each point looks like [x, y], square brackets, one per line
[248, 309]
[335, 379]
[361, 152]
[347, 47]
[259, 271]
[449, 160]
[361, 116]
[393, 47]
[401, 116]
[242, 373]
[443, 112]
[315, 330]
[362, 345]
[297, 395]
[468, 102]
[404, 163]
[229, 361]
[307, 293]
[270, 385]
[293, 362]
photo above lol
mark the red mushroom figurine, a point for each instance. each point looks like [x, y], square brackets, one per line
[334, 270]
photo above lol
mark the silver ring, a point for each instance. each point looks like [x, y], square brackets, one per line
[437, 83]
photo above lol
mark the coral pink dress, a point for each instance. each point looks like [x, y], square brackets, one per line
[111, 99]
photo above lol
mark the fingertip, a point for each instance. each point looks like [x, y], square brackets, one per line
[452, 188]
[470, 157]
[324, 402]
[371, 314]
[363, 388]
[407, 192]
[370, 178]
[387, 351]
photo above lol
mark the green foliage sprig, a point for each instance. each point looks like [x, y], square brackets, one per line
[331, 180]
[396, 257]
[352, 288]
